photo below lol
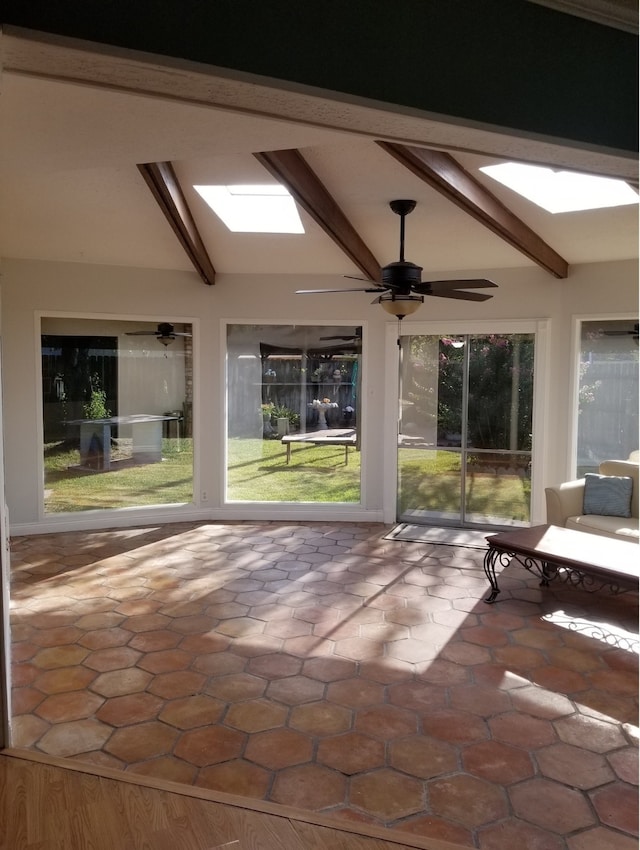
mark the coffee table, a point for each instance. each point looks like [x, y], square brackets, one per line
[577, 558]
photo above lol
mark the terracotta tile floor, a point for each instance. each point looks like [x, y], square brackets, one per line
[324, 667]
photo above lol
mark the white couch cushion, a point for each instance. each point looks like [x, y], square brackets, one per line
[608, 526]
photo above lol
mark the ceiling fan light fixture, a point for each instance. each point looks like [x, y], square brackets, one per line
[400, 305]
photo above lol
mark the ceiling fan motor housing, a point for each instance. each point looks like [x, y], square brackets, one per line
[401, 275]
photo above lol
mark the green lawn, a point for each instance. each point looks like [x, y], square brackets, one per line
[258, 472]
[125, 485]
[430, 482]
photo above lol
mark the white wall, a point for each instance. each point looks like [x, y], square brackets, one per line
[32, 288]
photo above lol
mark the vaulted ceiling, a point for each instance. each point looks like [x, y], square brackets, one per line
[76, 129]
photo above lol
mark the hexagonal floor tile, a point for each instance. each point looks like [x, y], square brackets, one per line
[387, 794]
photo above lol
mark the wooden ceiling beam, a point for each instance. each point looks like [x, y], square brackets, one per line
[442, 172]
[290, 168]
[161, 179]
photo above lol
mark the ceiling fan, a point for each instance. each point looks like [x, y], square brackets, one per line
[356, 336]
[401, 290]
[634, 334]
[164, 333]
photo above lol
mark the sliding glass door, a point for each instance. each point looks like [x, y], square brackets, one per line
[464, 448]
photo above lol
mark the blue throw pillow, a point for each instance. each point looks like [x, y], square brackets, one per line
[607, 495]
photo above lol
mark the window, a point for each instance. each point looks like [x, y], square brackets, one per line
[116, 402]
[607, 392]
[293, 413]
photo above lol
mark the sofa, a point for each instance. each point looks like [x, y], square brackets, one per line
[565, 505]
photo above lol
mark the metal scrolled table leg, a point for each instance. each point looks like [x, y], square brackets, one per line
[490, 558]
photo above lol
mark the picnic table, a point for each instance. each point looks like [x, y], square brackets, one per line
[328, 437]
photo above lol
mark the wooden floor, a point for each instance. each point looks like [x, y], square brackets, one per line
[46, 805]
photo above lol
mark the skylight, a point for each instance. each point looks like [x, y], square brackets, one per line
[562, 191]
[253, 209]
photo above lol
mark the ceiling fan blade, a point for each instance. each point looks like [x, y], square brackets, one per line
[359, 277]
[432, 286]
[359, 289]
[461, 296]
[142, 333]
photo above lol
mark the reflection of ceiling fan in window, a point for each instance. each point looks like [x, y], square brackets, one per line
[628, 332]
[164, 333]
[356, 336]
